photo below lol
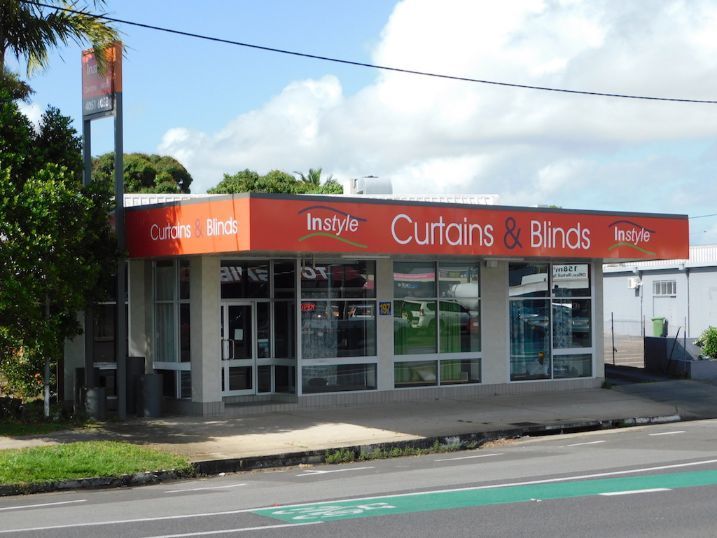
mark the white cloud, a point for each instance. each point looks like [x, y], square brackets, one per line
[32, 111]
[530, 147]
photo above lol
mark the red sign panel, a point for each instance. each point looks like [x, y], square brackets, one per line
[98, 89]
[328, 225]
[198, 228]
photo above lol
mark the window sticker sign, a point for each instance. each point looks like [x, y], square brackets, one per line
[384, 308]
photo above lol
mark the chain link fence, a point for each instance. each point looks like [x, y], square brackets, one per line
[624, 341]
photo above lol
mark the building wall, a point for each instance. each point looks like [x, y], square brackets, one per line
[384, 325]
[702, 284]
[494, 320]
[692, 309]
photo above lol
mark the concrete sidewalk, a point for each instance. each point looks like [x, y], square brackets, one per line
[302, 434]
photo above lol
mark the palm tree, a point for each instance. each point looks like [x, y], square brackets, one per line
[313, 177]
[29, 31]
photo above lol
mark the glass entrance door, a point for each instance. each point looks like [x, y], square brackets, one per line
[246, 348]
[238, 353]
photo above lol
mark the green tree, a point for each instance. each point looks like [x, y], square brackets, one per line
[313, 178]
[311, 183]
[144, 173]
[56, 244]
[57, 142]
[29, 31]
[17, 88]
[275, 181]
[243, 181]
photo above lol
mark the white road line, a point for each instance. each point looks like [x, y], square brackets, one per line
[125, 521]
[494, 486]
[277, 507]
[241, 529]
[588, 443]
[633, 492]
[320, 471]
[470, 457]
[666, 433]
[41, 505]
[208, 488]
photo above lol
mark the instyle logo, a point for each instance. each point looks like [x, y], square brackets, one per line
[330, 222]
[632, 235]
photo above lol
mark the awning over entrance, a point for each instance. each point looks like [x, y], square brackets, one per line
[327, 224]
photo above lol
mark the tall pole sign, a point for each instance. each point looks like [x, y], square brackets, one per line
[102, 97]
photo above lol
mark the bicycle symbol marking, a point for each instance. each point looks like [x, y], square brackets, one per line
[307, 513]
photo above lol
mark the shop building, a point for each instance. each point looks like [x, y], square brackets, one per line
[321, 300]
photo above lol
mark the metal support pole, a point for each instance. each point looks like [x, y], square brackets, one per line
[89, 311]
[612, 331]
[120, 316]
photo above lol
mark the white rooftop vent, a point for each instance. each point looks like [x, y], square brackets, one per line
[371, 185]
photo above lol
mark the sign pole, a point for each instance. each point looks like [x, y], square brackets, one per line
[89, 311]
[121, 314]
[102, 97]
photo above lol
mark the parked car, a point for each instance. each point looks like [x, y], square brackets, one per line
[422, 315]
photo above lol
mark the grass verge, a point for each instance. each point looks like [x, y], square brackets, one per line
[89, 459]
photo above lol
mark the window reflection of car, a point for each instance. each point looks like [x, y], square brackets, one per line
[536, 320]
[362, 312]
[422, 315]
[581, 325]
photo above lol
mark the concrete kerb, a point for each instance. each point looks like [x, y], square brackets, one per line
[314, 457]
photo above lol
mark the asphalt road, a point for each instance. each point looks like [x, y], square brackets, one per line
[649, 481]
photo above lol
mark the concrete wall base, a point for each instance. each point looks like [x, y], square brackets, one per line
[672, 357]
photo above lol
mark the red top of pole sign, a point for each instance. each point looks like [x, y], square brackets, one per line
[99, 89]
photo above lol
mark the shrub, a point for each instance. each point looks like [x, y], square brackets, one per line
[708, 342]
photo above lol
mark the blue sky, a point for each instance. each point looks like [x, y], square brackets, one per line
[221, 108]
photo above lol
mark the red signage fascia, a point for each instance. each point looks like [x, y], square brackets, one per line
[295, 224]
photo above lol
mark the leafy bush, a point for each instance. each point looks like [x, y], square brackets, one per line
[21, 375]
[708, 342]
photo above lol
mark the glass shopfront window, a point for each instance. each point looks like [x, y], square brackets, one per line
[457, 371]
[339, 280]
[338, 378]
[338, 329]
[430, 318]
[459, 307]
[550, 318]
[414, 308]
[172, 326]
[338, 320]
[436, 312]
[333, 322]
[567, 366]
[415, 374]
[244, 279]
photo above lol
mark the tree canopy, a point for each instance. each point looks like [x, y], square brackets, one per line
[275, 181]
[29, 31]
[144, 173]
[56, 244]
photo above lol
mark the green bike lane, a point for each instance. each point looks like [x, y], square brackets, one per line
[429, 501]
